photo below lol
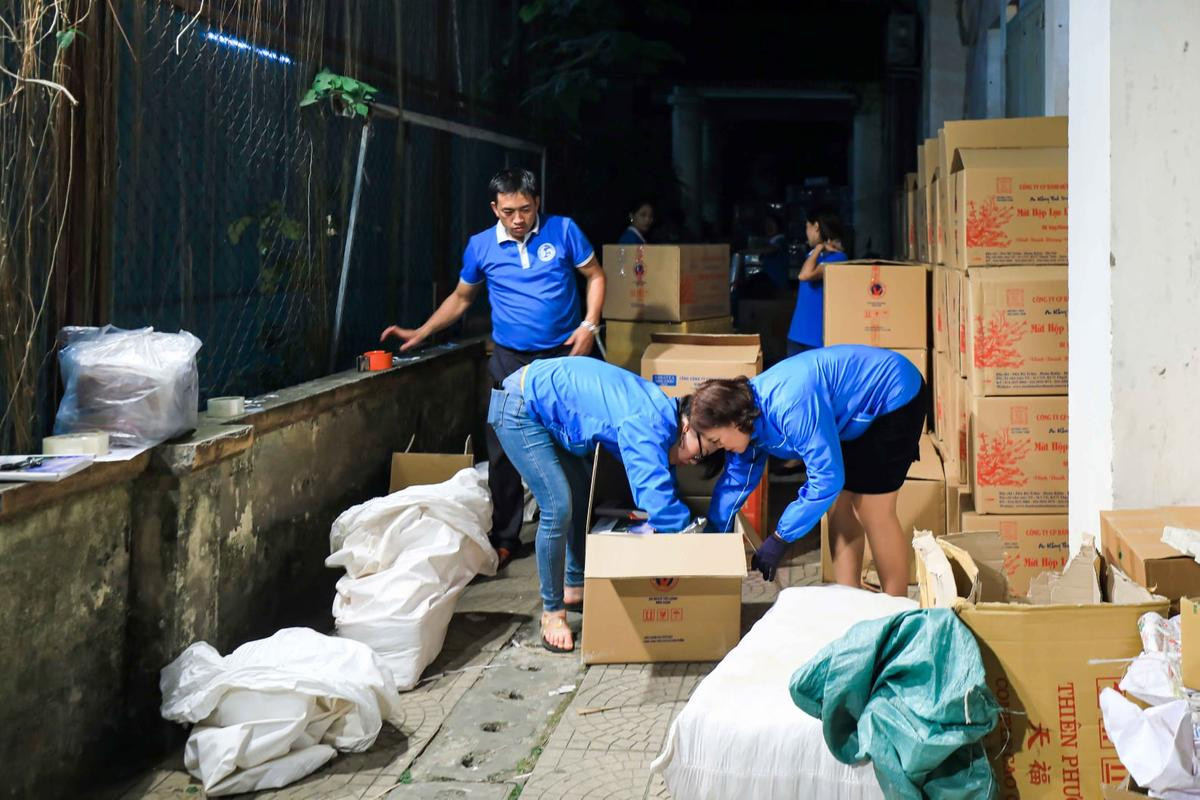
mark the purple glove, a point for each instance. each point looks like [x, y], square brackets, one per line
[766, 560]
[645, 527]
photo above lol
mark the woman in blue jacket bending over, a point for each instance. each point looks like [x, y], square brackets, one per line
[549, 416]
[854, 414]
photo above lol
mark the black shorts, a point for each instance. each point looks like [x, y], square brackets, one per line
[877, 462]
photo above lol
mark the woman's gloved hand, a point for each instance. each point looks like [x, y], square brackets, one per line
[644, 527]
[767, 559]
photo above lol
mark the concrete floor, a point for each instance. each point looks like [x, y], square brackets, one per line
[500, 717]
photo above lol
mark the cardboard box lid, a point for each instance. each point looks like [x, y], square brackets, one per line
[1009, 158]
[929, 466]
[1140, 530]
[718, 555]
[707, 347]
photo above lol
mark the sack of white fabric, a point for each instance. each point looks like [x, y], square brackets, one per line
[741, 736]
[276, 709]
[407, 557]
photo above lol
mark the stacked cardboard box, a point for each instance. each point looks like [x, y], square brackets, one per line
[663, 288]
[1000, 334]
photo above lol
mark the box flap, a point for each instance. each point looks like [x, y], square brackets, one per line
[720, 555]
[1077, 584]
[929, 466]
[1009, 158]
[1140, 530]
[986, 551]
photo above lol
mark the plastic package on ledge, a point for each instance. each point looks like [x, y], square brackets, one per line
[141, 387]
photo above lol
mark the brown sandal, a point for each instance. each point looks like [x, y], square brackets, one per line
[554, 621]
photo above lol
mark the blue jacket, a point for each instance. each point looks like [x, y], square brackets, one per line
[583, 402]
[809, 404]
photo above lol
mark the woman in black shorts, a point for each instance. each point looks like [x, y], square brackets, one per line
[854, 414]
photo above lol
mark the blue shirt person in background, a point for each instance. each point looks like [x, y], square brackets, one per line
[854, 414]
[550, 416]
[641, 220]
[528, 262]
[824, 231]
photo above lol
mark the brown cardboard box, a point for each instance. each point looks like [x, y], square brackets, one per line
[1018, 459]
[922, 249]
[1132, 539]
[1017, 132]
[921, 505]
[940, 209]
[959, 289]
[1046, 665]
[940, 309]
[910, 216]
[1189, 636]
[666, 283]
[880, 303]
[626, 341]
[1010, 206]
[419, 469]
[659, 597]
[677, 363]
[1033, 544]
[958, 503]
[951, 416]
[1016, 328]
[920, 360]
[929, 185]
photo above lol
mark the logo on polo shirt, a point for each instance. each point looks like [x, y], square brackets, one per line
[546, 252]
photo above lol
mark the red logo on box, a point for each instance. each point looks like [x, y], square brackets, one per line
[1008, 533]
[664, 584]
[1112, 770]
[1016, 298]
[1003, 185]
[1019, 415]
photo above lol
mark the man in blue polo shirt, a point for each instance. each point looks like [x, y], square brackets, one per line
[528, 263]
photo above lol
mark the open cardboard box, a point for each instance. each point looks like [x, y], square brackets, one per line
[420, 469]
[659, 597]
[1046, 663]
[1132, 538]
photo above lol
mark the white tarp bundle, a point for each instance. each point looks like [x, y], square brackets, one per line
[407, 558]
[276, 709]
[740, 735]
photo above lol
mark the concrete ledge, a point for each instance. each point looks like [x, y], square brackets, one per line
[22, 498]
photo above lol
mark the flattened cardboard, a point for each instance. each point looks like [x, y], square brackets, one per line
[660, 597]
[1033, 543]
[420, 469]
[677, 363]
[626, 342]
[1132, 539]
[1047, 666]
[1189, 624]
[666, 283]
[1017, 330]
[1018, 459]
[1010, 206]
[879, 303]
[921, 505]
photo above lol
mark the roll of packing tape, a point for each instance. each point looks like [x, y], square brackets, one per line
[226, 406]
[92, 443]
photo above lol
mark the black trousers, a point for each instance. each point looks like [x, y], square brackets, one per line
[504, 482]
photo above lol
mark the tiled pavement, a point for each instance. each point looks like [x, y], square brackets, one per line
[599, 745]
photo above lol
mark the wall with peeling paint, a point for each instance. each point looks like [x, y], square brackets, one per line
[221, 538]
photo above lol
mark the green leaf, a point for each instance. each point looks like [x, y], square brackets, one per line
[309, 98]
[237, 229]
[531, 11]
[368, 88]
[360, 109]
[66, 37]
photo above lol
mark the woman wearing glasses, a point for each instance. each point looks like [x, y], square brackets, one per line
[854, 414]
[549, 417]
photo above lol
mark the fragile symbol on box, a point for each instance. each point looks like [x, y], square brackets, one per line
[1112, 770]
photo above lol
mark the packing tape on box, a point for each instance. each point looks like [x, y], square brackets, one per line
[93, 443]
[226, 406]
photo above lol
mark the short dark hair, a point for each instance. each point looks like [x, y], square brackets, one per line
[712, 463]
[829, 224]
[513, 181]
[723, 401]
[642, 200]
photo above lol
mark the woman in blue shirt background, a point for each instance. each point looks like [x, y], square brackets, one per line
[824, 231]
[855, 415]
[549, 416]
[641, 220]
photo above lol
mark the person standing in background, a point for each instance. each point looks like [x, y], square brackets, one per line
[824, 232]
[641, 220]
[529, 264]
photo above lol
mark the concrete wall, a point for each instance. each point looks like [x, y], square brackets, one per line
[1135, 255]
[869, 182]
[221, 537]
[943, 68]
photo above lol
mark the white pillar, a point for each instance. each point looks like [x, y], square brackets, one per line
[1135, 256]
[1056, 60]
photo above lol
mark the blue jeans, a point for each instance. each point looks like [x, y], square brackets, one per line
[560, 482]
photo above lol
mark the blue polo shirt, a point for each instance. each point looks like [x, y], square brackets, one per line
[808, 320]
[531, 284]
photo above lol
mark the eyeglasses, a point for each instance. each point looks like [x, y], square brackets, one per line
[699, 446]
